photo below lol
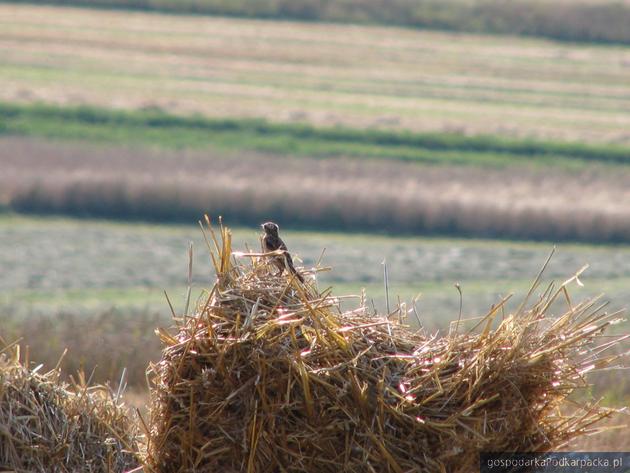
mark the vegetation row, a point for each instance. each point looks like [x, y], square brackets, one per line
[571, 21]
[170, 131]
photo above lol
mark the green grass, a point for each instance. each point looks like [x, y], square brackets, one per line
[160, 129]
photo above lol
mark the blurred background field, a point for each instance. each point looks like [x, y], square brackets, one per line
[576, 20]
[454, 153]
[542, 201]
[323, 74]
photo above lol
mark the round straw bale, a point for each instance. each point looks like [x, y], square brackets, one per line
[271, 376]
[47, 426]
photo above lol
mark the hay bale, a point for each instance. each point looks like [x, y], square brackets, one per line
[271, 376]
[47, 426]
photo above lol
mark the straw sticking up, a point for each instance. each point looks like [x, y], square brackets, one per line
[271, 375]
[49, 426]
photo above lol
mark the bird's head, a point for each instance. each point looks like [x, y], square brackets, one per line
[270, 228]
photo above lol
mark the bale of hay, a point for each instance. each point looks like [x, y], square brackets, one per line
[48, 426]
[271, 376]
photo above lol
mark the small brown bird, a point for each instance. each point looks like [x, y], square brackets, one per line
[273, 242]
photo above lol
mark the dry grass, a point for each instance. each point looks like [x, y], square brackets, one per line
[49, 426]
[613, 438]
[585, 205]
[89, 338]
[581, 20]
[316, 73]
[269, 375]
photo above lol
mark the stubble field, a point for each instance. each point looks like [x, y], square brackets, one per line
[553, 118]
[321, 74]
[89, 284]
[84, 267]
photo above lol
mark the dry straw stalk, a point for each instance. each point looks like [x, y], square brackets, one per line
[271, 376]
[47, 426]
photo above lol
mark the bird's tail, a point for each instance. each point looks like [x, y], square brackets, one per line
[294, 271]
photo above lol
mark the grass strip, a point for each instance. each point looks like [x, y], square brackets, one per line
[161, 129]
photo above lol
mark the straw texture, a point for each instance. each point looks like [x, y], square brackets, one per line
[271, 376]
[48, 426]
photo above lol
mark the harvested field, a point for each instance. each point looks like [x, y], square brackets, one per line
[130, 250]
[50, 266]
[581, 20]
[64, 276]
[351, 195]
[316, 73]
[368, 129]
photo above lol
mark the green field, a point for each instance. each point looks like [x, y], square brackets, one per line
[320, 74]
[158, 129]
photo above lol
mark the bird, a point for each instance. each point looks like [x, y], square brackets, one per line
[272, 242]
